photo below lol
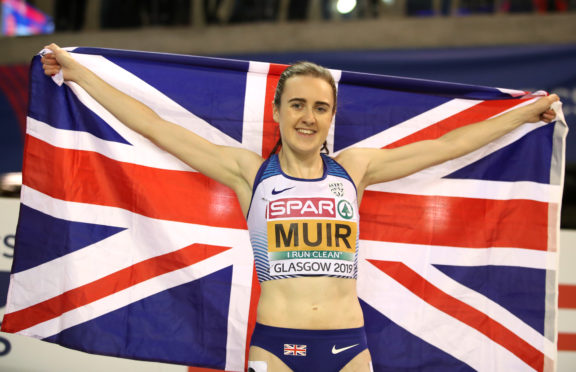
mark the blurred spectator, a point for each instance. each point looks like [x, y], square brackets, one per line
[254, 10]
[544, 6]
[298, 10]
[476, 6]
[69, 14]
[211, 11]
[136, 13]
[541, 6]
[426, 7]
[166, 12]
[121, 14]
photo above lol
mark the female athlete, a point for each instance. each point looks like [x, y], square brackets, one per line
[301, 207]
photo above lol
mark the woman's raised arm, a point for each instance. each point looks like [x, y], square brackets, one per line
[371, 166]
[233, 167]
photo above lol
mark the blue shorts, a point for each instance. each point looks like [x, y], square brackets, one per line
[310, 349]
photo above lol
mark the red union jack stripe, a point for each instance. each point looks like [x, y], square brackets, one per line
[297, 350]
[117, 240]
[566, 303]
[15, 88]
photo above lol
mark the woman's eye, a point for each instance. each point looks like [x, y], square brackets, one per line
[297, 106]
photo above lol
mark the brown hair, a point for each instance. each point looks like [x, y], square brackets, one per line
[303, 68]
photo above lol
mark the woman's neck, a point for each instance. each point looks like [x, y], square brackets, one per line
[307, 166]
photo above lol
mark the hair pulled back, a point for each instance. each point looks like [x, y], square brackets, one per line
[303, 68]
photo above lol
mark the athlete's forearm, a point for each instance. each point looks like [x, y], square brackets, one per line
[471, 137]
[391, 164]
[131, 112]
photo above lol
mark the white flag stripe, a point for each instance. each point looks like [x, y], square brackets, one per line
[517, 93]
[130, 295]
[128, 134]
[567, 321]
[451, 166]
[473, 188]
[464, 343]
[417, 123]
[252, 129]
[457, 256]
[421, 265]
[148, 238]
[139, 144]
[142, 151]
[67, 139]
[567, 254]
[237, 324]
[336, 74]
[242, 273]
[73, 211]
[239, 309]
[150, 96]
[434, 115]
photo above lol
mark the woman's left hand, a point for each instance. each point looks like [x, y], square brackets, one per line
[541, 110]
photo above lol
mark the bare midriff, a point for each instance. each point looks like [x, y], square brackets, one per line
[310, 303]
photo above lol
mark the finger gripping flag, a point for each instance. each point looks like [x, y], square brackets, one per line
[123, 250]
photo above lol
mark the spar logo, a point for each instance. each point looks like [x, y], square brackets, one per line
[345, 209]
[302, 207]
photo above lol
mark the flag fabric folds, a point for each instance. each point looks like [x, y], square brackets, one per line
[123, 250]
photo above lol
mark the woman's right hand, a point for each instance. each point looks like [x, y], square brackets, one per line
[58, 60]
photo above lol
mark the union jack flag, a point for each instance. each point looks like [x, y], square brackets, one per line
[123, 250]
[297, 350]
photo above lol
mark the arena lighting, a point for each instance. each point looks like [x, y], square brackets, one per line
[17, 18]
[345, 6]
[10, 184]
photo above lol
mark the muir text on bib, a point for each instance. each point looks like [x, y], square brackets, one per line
[311, 247]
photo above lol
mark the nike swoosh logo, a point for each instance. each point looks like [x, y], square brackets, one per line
[336, 351]
[274, 192]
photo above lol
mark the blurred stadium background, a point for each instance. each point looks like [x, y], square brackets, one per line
[520, 44]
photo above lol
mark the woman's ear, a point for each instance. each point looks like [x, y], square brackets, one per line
[275, 114]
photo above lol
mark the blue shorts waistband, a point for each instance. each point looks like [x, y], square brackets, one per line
[266, 329]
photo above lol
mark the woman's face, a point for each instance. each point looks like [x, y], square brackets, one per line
[305, 113]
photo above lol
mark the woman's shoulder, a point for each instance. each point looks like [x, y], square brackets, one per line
[354, 158]
[355, 161]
